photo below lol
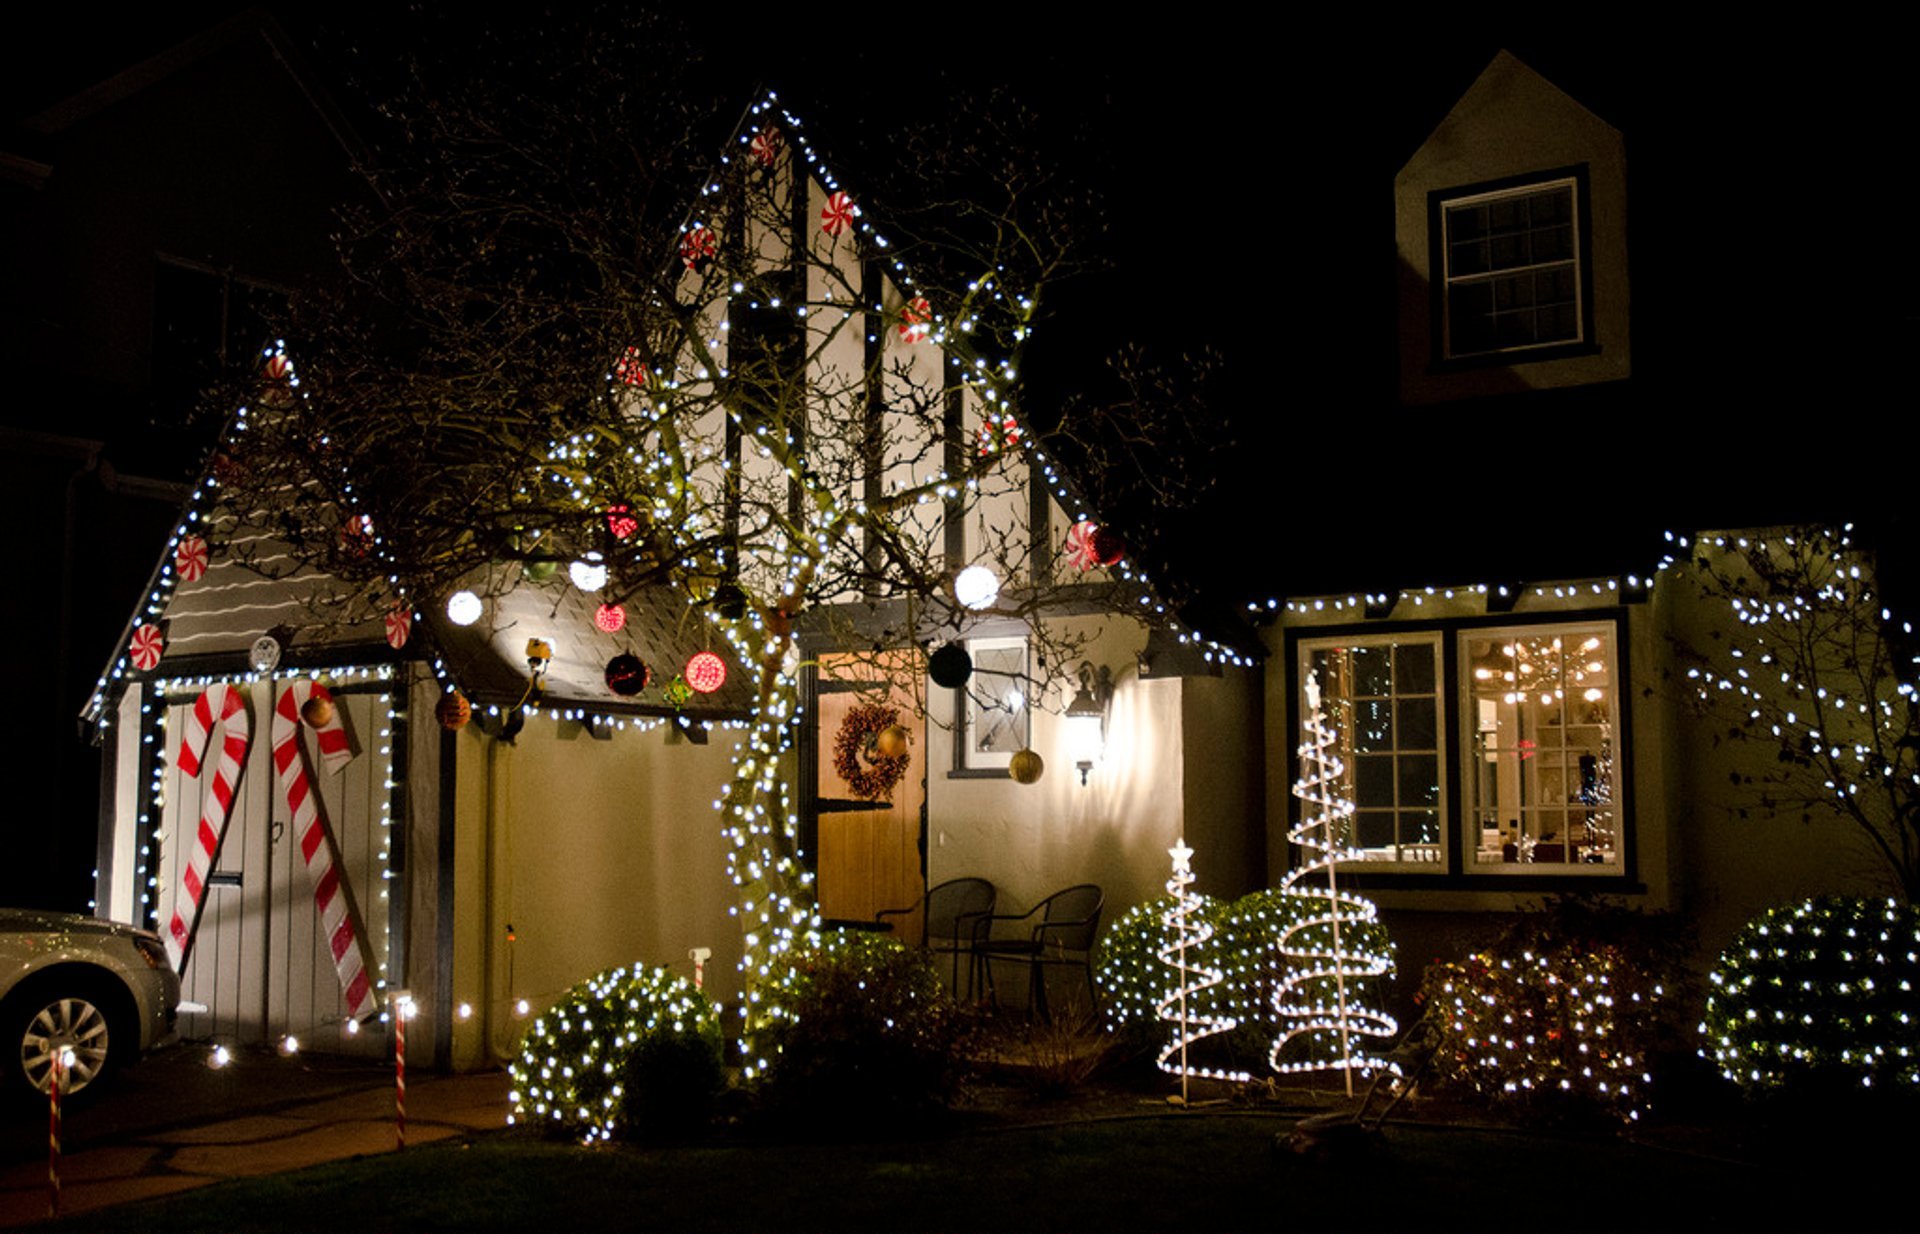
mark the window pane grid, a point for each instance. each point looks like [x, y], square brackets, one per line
[1511, 276]
[1384, 702]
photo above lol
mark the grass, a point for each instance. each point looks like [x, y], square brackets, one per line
[1180, 1171]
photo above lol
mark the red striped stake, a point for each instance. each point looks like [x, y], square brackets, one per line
[54, 1076]
[402, 1004]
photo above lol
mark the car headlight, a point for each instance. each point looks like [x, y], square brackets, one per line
[151, 949]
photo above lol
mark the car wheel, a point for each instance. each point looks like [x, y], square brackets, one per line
[47, 1021]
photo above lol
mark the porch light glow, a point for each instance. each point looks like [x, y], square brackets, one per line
[1086, 718]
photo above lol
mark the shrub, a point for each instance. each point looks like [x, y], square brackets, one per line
[1563, 1015]
[630, 1050]
[1818, 996]
[856, 1024]
[1132, 979]
[1247, 948]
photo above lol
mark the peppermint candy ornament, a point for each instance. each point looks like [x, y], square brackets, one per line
[916, 317]
[145, 649]
[697, 246]
[399, 626]
[190, 559]
[766, 145]
[837, 215]
[1079, 547]
[629, 369]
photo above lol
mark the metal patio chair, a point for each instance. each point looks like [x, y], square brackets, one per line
[1064, 925]
[956, 918]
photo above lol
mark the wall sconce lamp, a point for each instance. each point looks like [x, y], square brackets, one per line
[1087, 716]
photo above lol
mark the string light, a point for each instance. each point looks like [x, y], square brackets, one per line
[1188, 932]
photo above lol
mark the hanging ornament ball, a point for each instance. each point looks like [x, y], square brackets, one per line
[452, 711]
[1026, 767]
[730, 602]
[627, 674]
[950, 666]
[463, 608]
[976, 587]
[540, 570]
[892, 742]
[621, 521]
[610, 617]
[317, 711]
[1107, 546]
[706, 672]
[589, 573]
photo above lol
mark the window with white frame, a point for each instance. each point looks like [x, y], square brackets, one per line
[996, 716]
[1511, 269]
[1382, 697]
[1542, 714]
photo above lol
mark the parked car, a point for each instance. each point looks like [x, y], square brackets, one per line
[102, 989]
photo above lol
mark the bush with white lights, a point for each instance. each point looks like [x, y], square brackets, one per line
[1562, 1016]
[1248, 951]
[1132, 979]
[631, 1050]
[1819, 995]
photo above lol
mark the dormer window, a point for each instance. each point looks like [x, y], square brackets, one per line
[1514, 281]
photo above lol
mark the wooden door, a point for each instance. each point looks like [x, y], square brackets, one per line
[870, 845]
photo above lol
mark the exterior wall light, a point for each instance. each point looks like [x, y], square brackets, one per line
[1087, 716]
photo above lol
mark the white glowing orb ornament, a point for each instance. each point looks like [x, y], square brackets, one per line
[589, 573]
[463, 608]
[976, 587]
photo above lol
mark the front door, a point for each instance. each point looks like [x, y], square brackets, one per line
[869, 800]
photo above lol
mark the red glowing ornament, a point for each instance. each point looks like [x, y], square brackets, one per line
[190, 559]
[610, 617]
[916, 317]
[629, 369]
[697, 246]
[621, 521]
[706, 672]
[766, 145]
[146, 647]
[837, 215]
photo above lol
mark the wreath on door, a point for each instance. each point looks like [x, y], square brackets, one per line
[856, 755]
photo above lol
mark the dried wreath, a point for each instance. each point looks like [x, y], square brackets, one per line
[870, 774]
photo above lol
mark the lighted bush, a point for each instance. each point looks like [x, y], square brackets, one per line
[631, 1050]
[1245, 948]
[1564, 1015]
[857, 1024]
[1818, 995]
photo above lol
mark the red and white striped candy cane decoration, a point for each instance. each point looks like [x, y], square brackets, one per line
[224, 706]
[400, 1009]
[346, 938]
[54, 1075]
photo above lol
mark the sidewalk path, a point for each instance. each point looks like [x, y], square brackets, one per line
[270, 1133]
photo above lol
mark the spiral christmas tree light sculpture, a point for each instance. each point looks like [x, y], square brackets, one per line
[1326, 1016]
[1187, 937]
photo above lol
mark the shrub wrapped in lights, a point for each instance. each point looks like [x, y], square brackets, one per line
[857, 1024]
[1248, 950]
[630, 1051]
[1563, 1016]
[1131, 978]
[1818, 996]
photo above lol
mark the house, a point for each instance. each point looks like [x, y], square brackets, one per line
[572, 825]
[1513, 690]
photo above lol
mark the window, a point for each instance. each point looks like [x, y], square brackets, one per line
[1491, 750]
[1511, 268]
[1383, 700]
[1541, 712]
[995, 716]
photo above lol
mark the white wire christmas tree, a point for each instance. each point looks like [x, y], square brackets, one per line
[1328, 1022]
[1187, 939]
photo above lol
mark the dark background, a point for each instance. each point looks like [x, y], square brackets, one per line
[1246, 168]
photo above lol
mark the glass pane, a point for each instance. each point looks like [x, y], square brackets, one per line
[1373, 780]
[1373, 725]
[1373, 829]
[1419, 780]
[1416, 717]
[1413, 668]
[1420, 827]
[1372, 671]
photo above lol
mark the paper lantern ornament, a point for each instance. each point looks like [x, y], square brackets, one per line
[317, 711]
[621, 520]
[950, 666]
[627, 674]
[1026, 767]
[706, 672]
[838, 214]
[452, 711]
[190, 559]
[148, 643]
[610, 618]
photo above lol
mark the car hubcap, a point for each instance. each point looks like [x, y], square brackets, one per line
[71, 1024]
